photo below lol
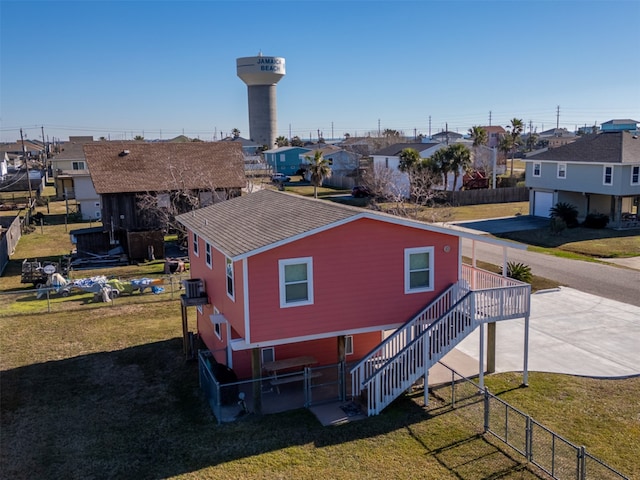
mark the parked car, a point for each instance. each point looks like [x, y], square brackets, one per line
[360, 191]
[279, 178]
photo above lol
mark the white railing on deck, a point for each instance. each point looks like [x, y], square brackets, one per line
[393, 344]
[395, 364]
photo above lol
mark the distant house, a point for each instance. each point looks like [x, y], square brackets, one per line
[389, 157]
[494, 134]
[598, 173]
[125, 174]
[285, 159]
[67, 166]
[249, 147]
[626, 124]
[556, 137]
[343, 164]
[286, 277]
[446, 137]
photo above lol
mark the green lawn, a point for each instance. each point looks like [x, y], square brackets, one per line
[105, 392]
[110, 395]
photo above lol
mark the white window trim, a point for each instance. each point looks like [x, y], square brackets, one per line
[195, 244]
[208, 254]
[273, 353]
[407, 277]
[283, 292]
[231, 295]
[635, 168]
[604, 175]
[217, 327]
[539, 165]
[564, 165]
[348, 345]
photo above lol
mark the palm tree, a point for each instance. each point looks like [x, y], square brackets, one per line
[235, 132]
[319, 169]
[459, 159]
[505, 146]
[516, 128]
[409, 159]
[282, 141]
[478, 135]
[440, 161]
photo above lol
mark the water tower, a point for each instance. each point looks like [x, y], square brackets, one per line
[261, 75]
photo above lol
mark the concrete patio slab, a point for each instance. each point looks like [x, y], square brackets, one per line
[571, 332]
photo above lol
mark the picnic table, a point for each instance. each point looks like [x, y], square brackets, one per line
[279, 366]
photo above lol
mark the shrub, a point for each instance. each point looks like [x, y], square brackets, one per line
[567, 212]
[596, 220]
[519, 271]
[557, 225]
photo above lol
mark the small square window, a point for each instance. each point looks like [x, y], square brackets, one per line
[418, 270]
[296, 282]
[268, 355]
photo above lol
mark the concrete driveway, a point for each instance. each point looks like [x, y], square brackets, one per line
[506, 224]
[570, 332]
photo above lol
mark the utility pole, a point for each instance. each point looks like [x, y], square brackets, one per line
[378, 127]
[429, 126]
[44, 143]
[558, 117]
[331, 130]
[489, 117]
[290, 137]
[26, 162]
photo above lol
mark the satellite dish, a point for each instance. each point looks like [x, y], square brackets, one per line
[49, 269]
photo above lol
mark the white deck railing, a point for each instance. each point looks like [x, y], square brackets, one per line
[395, 364]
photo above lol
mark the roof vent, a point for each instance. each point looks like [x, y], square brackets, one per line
[123, 153]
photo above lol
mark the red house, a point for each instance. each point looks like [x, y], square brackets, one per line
[293, 280]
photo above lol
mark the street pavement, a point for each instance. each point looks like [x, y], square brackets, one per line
[590, 326]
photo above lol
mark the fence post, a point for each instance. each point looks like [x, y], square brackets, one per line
[453, 389]
[582, 464]
[528, 444]
[486, 409]
[48, 302]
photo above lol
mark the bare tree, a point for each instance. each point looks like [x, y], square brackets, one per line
[160, 208]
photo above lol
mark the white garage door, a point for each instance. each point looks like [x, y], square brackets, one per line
[542, 203]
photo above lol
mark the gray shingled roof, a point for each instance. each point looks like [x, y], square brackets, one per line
[156, 167]
[608, 147]
[244, 224]
[262, 220]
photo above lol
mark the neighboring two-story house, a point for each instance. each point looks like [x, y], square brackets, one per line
[343, 164]
[68, 165]
[598, 173]
[287, 276]
[619, 125]
[131, 175]
[285, 159]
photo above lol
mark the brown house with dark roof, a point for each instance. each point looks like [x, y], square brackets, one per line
[127, 175]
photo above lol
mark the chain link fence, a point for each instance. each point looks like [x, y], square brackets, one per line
[542, 447]
[52, 299]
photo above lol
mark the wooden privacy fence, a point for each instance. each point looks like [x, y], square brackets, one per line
[496, 195]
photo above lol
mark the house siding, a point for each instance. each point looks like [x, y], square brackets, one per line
[357, 284]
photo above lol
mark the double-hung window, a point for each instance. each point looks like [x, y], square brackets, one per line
[195, 244]
[635, 175]
[418, 270]
[296, 282]
[536, 169]
[77, 165]
[348, 345]
[230, 278]
[207, 254]
[562, 170]
[607, 175]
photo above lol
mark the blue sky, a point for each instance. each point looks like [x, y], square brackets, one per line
[158, 69]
